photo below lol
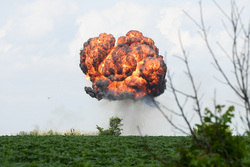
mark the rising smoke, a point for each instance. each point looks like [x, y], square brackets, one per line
[130, 71]
[144, 114]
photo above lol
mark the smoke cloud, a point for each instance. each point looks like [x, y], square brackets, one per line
[143, 114]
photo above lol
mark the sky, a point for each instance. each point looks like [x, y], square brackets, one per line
[42, 86]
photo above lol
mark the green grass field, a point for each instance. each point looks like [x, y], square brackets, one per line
[58, 150]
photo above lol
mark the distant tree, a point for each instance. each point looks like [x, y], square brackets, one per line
[114, 129]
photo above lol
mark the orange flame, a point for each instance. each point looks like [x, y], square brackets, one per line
[132, 68]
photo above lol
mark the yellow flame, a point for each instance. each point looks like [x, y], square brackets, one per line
[87, 77]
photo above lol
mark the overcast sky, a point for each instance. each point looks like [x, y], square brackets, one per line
[42, 86]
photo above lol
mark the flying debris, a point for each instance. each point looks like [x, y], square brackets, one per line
[130, 69]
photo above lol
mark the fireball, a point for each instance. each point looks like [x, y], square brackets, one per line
[129, 69]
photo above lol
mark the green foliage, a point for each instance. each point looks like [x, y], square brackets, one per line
[114, 129]
[72, 150]
[214, 144]
[59, 150]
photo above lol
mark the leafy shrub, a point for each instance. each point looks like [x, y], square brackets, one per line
[114, 129]
[214, 144]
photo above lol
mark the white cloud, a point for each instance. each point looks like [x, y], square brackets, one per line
[170, 22]
[4, 47]
[38, 18]
[7, 27]
[173, 22]
[122, 17]
[117, 20]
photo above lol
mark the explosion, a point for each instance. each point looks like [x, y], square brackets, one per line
[131, 69]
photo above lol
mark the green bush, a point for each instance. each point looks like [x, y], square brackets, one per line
[114, 129]
[214, 144]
